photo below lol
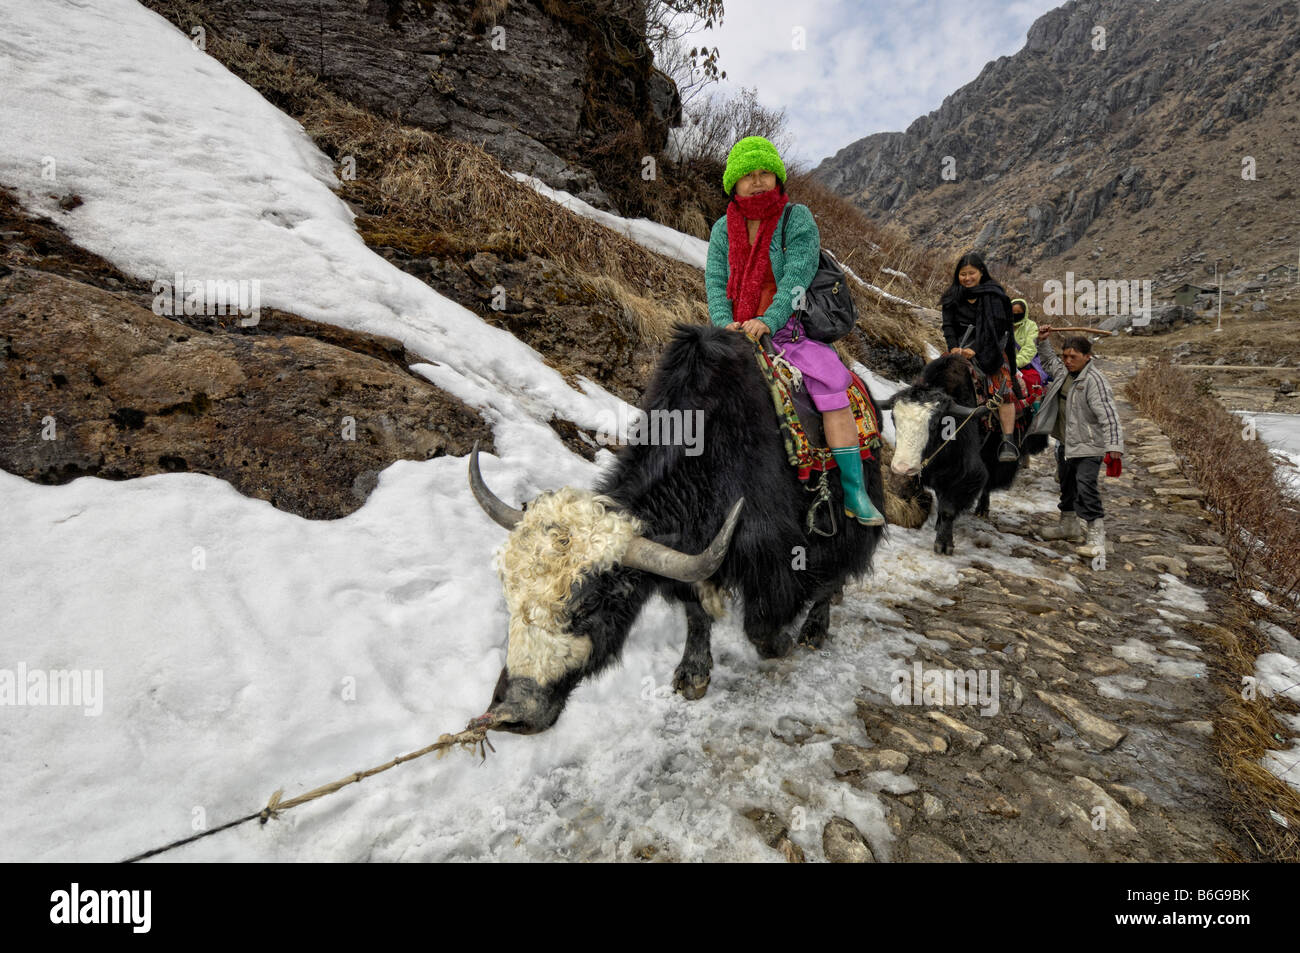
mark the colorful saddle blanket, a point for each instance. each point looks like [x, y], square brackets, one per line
[1026, 407]
[801, 421]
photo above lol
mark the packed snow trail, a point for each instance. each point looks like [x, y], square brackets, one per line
[245, 649]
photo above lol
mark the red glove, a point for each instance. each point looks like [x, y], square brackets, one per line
[1114, 464]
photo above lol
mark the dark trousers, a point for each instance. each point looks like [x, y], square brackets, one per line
[1079, 488]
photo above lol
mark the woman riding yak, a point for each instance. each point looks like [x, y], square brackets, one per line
[977, 324]
[753, 281]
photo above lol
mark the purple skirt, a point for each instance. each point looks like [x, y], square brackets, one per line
[825, 377]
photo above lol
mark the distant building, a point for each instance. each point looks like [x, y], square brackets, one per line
[1185, 294]
[1280, 273]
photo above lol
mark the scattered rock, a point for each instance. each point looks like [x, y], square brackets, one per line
[997, 755]
[1116, 819]
[1203, 728]
[791, 851]
[849, 759]
[927, 849]
[145, 394]
[1215, 564]
[1102, 665]
[1099, 732]
[924, 744]
[774, 834]
[843, 843]
[1179, 492]
[1129, 795]
[1001, 807]
[1017, 700]
[968, 736]
[1164, 563]
[1019, 744]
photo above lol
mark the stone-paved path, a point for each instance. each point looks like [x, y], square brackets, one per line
[1102, 747]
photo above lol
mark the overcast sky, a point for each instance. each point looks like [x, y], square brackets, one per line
[868, 66]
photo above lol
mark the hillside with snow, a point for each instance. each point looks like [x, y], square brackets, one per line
[229, 632]
[243, 649]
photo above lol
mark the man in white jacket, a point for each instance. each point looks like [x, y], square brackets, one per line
[1078, 409]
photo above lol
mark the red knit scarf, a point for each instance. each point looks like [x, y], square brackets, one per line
[750, 266]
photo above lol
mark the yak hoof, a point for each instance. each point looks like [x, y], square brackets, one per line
[813, 636]
[691, 685]
[943, 548]
[814, 640]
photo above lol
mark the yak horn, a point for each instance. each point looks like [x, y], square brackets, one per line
[503, 514]
[962, 410]
[665, 561]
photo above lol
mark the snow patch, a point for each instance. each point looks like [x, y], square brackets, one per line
[1135, 651]
[1177, 593]
[1278, 675]
[658, 238]
[1285, 642]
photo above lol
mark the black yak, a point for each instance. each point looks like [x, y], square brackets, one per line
[578, 565]
[940, 434]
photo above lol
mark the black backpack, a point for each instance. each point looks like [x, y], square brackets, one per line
[829, 312]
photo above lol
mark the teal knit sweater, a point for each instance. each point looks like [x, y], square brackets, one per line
[792, 268]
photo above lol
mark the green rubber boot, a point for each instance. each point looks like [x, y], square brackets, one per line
[856, 502]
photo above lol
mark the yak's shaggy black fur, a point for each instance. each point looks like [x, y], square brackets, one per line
[683, 500]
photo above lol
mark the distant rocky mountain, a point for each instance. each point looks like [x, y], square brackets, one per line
[1125, 153]
[546, 86]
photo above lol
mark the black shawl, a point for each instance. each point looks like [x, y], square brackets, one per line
[990, 317]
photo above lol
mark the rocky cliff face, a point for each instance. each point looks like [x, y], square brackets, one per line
[545, 85]
[1117, 147]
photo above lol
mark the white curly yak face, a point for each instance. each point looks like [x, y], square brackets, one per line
[911, 433]
[563, 536]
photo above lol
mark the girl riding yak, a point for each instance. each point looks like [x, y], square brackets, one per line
[977, 324]
[753, 283]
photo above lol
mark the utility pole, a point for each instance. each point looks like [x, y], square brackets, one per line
[1219, 288]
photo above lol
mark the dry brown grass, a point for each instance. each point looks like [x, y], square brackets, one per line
[1262, 528]
[1259, 520]
[867, 249]
[1244, 730]
[431, 192]
[488, 12]
[653, 317]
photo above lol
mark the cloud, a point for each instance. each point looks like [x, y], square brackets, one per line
[867, 66]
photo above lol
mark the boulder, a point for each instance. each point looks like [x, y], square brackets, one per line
[843, 843]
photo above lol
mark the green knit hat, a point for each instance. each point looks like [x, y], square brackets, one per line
[750, 153]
